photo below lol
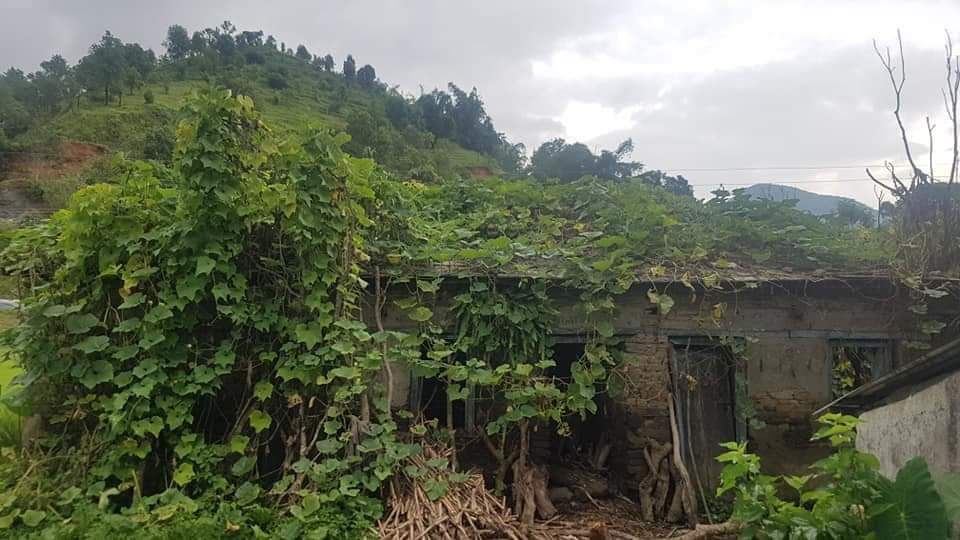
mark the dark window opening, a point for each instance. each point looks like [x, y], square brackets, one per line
[428, 397]
[856, 362]
[564, 356]
[587, 440]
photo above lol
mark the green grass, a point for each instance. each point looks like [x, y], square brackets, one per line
[312, 100]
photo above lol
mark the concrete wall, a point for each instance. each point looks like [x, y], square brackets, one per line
[924, 423]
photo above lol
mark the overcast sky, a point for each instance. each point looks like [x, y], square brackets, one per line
[789, 89]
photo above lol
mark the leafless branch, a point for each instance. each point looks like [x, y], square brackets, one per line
[891, 189]
[898, 83]
[880, 195]
[950, 100]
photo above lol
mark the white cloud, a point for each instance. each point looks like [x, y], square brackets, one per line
[585, 121]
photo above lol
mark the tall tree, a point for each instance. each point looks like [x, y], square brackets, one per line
[436, 109]
[614, 164]
[349, 68]
[302, 53]
[328, 63]
[104, 65]
[51, 82]
[367, 76]
[142, 60]
[198, 43]
[566, 162]
[678, 185]
[248, 38]
[177, 42]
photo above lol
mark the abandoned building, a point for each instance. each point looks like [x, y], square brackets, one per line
[749, 359]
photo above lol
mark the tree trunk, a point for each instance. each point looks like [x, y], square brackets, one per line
[530, 486]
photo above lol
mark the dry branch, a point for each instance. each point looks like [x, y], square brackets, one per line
[686, 486]
[705, 532]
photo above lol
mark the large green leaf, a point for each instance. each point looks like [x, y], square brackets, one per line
[420, 314]
[99, 371]
[93, 344]
[916, 510]
[948, 486]
[260, 421]
[81, 324]
[184, 474]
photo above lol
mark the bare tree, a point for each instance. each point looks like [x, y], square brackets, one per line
[950, 99]
[929, 211]
[880, 195]
[897, 73]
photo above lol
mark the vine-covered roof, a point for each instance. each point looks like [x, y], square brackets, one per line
[624, 231]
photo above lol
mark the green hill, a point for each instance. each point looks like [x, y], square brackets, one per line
[136, 112]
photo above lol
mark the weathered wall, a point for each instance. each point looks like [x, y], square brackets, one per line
[788, 366]
[787, 328]
[924, 423]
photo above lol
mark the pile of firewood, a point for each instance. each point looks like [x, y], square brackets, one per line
[467, 510]
[666, 492]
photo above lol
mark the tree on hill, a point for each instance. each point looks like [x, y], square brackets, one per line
[131, 79]
[328, 63]
[224, 44]
[177, 42]
[398, 111]
[349, 68]
[614, 165]
[51, 83]
[436, 109]
[367, 76]
[250, 39]
[140, 59]
[198, 43]
[15, 119]
[678, 185]
[271, 42]
[103, 67]
[850, 213]
[302, 53]
[567, 162]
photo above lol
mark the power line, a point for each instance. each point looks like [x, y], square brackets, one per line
[785, 168]
[775, 182]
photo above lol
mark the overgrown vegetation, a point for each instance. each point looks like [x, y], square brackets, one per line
[206, 339]
[845, 496]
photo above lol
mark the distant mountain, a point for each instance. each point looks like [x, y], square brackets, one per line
[815, 203]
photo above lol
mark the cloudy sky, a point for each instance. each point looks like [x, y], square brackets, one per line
[731, 92]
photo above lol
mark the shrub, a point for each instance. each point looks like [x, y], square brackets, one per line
[845, 496]
[148, 97]
[158, 144]
[277, 80]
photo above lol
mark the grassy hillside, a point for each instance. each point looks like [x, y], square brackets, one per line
[142, 122]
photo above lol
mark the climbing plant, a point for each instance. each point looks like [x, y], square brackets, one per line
[205, 335]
